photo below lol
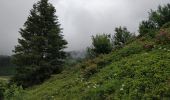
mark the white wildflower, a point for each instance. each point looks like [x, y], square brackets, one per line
[121, 89]
[145, 53]
[94, 86]
[123, 85]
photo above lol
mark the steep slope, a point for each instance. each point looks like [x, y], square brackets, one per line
[140, 70]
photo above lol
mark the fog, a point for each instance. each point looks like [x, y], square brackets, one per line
[80, 19]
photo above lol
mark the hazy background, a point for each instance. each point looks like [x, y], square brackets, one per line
[79, 18]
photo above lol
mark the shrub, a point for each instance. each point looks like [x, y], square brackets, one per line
[163, 37]
[101, 44]
[90, 70]
[101, 93]
[144, 79]
[14, 92]
[2, 89]
[121, 37]
[146, 28]
[90, 54]
[11, 92]
[148, 46]
[102, 60]
[85, 64]
[160, 16]
[156, 20]
[166, 25]
[131, 49]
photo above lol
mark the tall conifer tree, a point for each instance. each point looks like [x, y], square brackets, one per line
[40, 50]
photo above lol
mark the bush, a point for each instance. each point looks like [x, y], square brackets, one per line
[160, 16]
[156, 20]
[11, 92]
[102, 60]
[101, 44]
[144, 79]
[121, 37]
[148, 46]
[2, 89]
[90, 70]
[131, 49]
[166, 25]
[146, 27]
[163, 37]
[103, 92]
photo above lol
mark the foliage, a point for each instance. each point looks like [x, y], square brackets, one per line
[148, 46]
[139, 70]
[145, 79]
[156, 20]
[103, 60]
[11, 91]
[90, 70]
[166, 25]
[161, 15]
[128, 73]
[90, 53]
[147, 28]
[163, 37]
[40, 50]
[2, 89]
[92, 66]
[133, 48]
[101, 44]
[121, 36]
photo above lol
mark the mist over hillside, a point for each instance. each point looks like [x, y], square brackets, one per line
[108, 50]
[80, 19]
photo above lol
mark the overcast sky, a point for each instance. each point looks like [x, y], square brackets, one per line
[80, 18]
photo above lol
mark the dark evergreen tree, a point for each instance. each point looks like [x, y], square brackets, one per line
[40, 50]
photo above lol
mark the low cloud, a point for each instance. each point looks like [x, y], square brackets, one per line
[80, 18]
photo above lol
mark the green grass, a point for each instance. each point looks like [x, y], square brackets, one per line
[121, 74]
[130, 73]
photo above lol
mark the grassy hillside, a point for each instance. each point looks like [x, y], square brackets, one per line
[140, 70]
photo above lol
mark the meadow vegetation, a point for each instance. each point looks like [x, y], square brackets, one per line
[128, 67]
